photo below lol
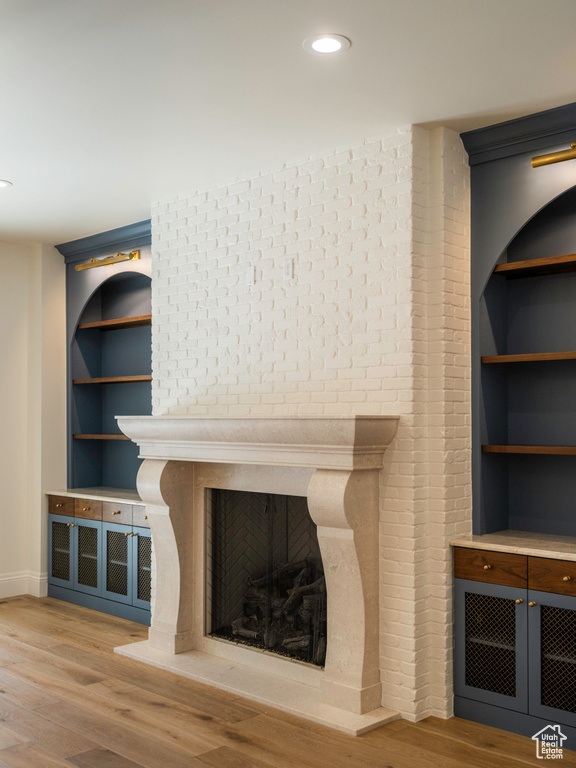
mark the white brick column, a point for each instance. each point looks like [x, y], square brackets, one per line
[374, 321]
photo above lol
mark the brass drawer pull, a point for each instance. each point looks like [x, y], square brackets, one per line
[59, 505]
[145, 517]
[532, 604]
[129, 534]
[85, 509]
[567, 578]
[487, 567]
[519, 601]
[117, 513]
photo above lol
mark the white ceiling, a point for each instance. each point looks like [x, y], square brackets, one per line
[108, 105]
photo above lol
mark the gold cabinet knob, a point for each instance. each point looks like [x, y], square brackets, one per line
[73, 525]
[68, 524]
[567, 578]
[145, 517]
[117, 513]
[532, 604]
[519, 601]
[126, 534]
[85, 509]
[487, 567]
[59, 505]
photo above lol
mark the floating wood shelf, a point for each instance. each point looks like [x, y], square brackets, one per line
[548, 266]
[556, 450]
[100, 437]
[113, 380]
[120, 322]
[532, 357]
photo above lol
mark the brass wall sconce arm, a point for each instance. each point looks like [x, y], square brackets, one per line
[132, 256]
[555, 157]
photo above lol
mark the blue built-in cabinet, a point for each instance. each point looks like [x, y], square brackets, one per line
[515, 656]
[523, 410]
[109, 355]
[101, 563]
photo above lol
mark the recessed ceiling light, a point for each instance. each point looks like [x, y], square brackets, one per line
[5, 183]
[326, 43]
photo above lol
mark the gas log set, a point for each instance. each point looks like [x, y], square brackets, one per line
[284, 611]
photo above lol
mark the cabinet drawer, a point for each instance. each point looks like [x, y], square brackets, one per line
[546, 575]
[491, 567]
[61, 505]
[116, 513]
[87, 508]
[140, 517]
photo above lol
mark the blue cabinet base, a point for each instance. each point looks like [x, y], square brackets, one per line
[507, 720]
[129, 612]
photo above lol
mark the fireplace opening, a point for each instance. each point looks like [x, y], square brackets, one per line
[265, 585]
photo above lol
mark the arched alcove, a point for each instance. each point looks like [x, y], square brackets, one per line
[110, 371]
[530, 402]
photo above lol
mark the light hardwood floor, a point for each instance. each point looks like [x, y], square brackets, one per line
[67, 700]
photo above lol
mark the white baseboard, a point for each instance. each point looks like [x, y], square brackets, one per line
[38, 584]
[23, 583]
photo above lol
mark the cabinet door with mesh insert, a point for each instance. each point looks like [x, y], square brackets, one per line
[142, 559]
[491, 646]
[88, 556]
[117, 550]
[60, 551]
[552, 644]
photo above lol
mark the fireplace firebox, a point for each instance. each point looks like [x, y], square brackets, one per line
[266, 585]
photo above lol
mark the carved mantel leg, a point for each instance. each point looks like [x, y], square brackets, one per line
[344, 506]
[166, 487]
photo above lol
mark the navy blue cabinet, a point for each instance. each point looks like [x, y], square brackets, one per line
[103, 566]
[552, 650]
[127, 564]
[515, 657]
[61, 555]
[87, 556]
[491, 652]
[108, 331]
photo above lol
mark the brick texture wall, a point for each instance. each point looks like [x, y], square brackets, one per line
[374, 321]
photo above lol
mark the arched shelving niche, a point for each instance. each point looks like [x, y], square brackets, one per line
[110, 374]
[527, 340]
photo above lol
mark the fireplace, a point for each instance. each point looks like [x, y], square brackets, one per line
[265, 581]
[265, 538]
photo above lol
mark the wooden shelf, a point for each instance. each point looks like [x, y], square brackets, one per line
[113, 380]
[120, 322]
[548, 266]
[100, 437]
[533, 357]
[555, 450]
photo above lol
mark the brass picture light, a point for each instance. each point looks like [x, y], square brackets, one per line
[132, 256]
[555, 157]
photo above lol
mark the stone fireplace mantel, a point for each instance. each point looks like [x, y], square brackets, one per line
[335, 463]
[346, 442]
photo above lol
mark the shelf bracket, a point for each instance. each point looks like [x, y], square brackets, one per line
[132, 256]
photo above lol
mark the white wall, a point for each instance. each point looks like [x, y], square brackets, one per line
[375, 321]
[32, 409]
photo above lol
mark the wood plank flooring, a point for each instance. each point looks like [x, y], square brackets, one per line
[67, 700]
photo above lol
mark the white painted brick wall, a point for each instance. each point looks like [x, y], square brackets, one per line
[375, 321]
